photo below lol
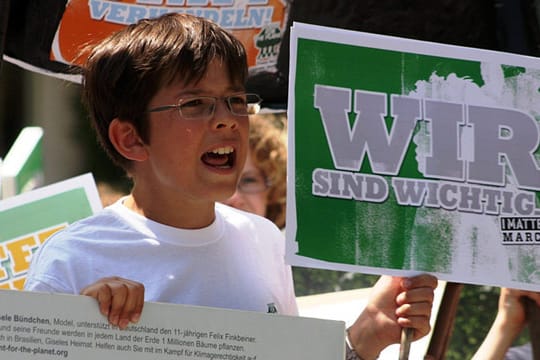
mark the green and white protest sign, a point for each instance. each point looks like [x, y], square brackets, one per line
[27, 220]
[22, 169]
[408, 156]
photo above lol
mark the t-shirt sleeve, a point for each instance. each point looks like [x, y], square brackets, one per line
[33, 284]
[49, 270]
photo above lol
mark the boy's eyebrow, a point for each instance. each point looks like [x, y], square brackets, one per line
[203, 92]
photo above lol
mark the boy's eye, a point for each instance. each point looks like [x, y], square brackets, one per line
[238, 100]
[197, 107]
[193, 103]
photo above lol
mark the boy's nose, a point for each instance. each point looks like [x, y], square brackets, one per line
[223, 116]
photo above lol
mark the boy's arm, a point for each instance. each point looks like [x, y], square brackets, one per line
[395, 303]
[120, 300]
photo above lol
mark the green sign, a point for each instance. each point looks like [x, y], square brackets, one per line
[27, 220]
[408, 156]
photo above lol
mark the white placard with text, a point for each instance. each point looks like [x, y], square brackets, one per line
[52, 326]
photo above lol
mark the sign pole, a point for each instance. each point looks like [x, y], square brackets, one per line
[444, 324]
[4, 15]
[405, 344]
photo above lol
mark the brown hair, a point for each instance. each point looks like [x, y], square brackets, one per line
[268, 148]
[124, 71]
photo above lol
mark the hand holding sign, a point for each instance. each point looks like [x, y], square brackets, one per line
[386, 315]
[120, 300]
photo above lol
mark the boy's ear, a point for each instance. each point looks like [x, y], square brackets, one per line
[127, 141]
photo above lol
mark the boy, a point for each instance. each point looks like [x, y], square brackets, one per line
[167, 99]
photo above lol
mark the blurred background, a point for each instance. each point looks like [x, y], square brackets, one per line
[28, 98]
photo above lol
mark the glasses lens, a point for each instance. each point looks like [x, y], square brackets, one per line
[204, 106]
[252, 183]
[197, 107]
[238, 104]
[244, 104]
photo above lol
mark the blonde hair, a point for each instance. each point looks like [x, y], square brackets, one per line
[268, 146]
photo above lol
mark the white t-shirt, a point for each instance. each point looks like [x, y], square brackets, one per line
[237, 262]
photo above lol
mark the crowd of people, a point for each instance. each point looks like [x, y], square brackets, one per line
[167, 99]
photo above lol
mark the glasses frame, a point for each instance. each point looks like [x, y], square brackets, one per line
[255, 105]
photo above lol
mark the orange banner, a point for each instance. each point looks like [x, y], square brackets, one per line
[259, 24]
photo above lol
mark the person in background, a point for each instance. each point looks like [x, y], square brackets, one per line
[167, 99]
[262, 188]
[509, 322]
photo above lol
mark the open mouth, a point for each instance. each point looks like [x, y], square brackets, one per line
[222, 157]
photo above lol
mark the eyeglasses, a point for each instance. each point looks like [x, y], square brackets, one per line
[252, 183]
[203, 107]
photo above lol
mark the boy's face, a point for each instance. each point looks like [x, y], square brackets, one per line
[197, 159]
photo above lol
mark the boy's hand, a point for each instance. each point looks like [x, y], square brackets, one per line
[120, 300]
[395, 303]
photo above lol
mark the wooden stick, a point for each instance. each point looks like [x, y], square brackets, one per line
[533, 318]
[444, 323]
[405, 344]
